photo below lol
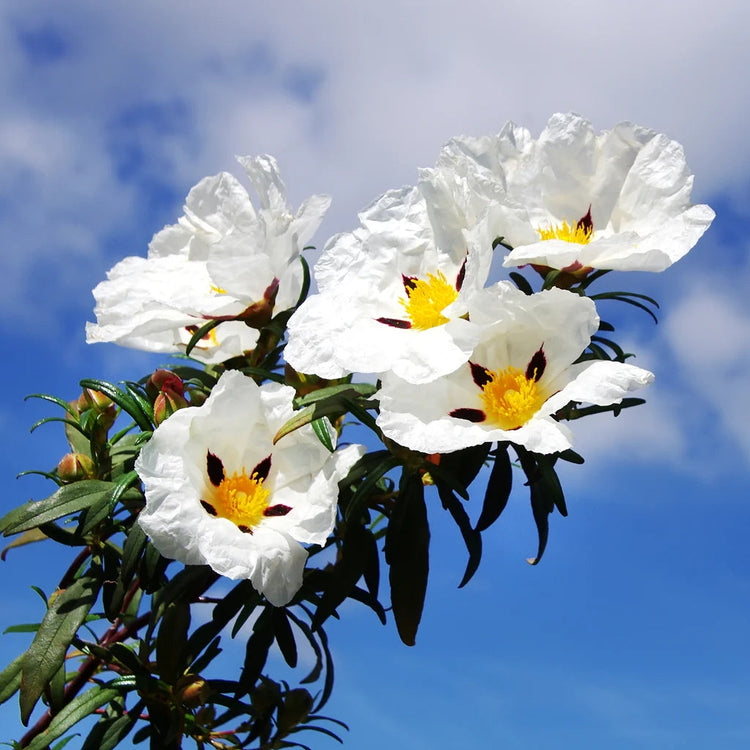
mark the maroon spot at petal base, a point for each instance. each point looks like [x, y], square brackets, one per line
[481, 375]
[209, 508]
[410, 283]
[586, 223]
[537, 365]
[394, 322]
[245, 529]
[276, 510]
[215, 469]
[470, 415]
[260, 472]
[461, 276]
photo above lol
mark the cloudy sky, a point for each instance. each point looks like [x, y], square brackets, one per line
[632, 633]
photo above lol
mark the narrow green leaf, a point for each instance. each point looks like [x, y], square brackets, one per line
[521, 282]
[407, 554]
[256, 652]
[498, 490]
[472, 538]
[80, 707]
[322, 429]
[205, 329]
[171, 641]
[28, 537]
[112, 729]
[363, 492]
[348, 390]
[126, 402]
[284, 636]
[66, 613]
[10, 679]
[55, 400]
[68, 499]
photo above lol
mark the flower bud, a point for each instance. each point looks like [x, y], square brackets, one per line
[294, 710]
[103, 406]
[76, 466]
[192, 690]
[163, 380]
[166, 404]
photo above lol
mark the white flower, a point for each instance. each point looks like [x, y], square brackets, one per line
[390, 298]
[572, 199]
[519, 375]
[218, 492]
[224, 258]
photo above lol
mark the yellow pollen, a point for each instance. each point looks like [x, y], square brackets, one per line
[426, 301]
[218, 289]
[510, 399]
[576, 233]
[241, 499]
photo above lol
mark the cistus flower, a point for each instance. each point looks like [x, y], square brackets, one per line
[520, 374]
[218, 492]
[390, 298]
[224, 259]
[573, 199]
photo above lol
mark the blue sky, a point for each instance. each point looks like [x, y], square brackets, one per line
[633, 631]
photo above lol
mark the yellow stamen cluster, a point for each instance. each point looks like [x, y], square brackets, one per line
[578, 233]
[426, 301]
[218, 289]
[241, 499]
[510, 399]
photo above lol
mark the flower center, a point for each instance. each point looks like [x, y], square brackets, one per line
[564, 231]
[241, 499]
[426, 299]
[580, 233]
[510, 398]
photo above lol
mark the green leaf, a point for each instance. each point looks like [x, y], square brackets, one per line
[521, 282]
[472, 538]
[407, 553]
[189, 583]
[171, 640]
[341, 577]
[546, 494]
[321, 428]
[498, 490]
[80, 707]
[284, 636]
[364, 491]
[66, 613]
[64, 404]
[28, 537]
[110, 730]
[10, 679]
[256, 652]
[205, 329]
[124, 400]
[68, 499]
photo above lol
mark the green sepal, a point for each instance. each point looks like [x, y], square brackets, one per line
[66, 613]
[407, 553]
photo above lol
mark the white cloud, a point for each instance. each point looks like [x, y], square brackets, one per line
[709, 333]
